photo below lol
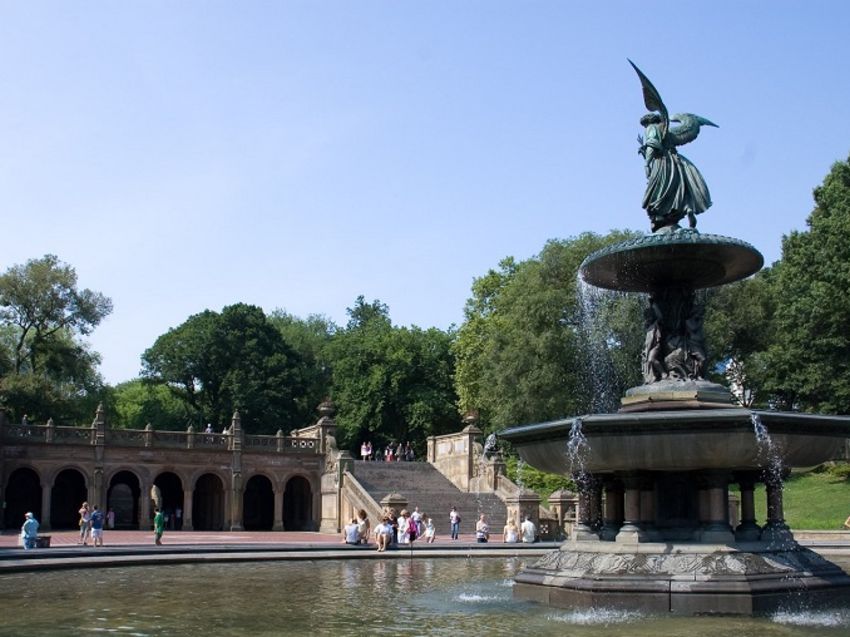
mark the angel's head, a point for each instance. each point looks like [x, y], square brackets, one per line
[650, 118]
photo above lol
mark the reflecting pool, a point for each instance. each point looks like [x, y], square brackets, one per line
[356, 597]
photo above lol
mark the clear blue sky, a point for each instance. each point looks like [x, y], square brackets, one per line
[189, 155]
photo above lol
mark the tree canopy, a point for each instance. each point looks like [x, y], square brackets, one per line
[391, 384]
[235, 360]
[48, 371]
[807, 362]
[529, 343]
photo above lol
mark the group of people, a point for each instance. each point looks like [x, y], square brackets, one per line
[527, 531]
[392, 452]
[393, 529]
[91, 524]
[404, 528]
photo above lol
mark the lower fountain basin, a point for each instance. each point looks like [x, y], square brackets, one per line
[681, 440]
[684, 579]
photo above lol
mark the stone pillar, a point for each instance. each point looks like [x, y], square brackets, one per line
[563, 503]
[235, 508]
[46, 503]
[583, 530]
[613, 517]
[717, 531]
[775, 531]
[524, 503]
[747, 530]
[647, 507]
[187, 509]
[630, 531]
[278, 510]
[145, 507]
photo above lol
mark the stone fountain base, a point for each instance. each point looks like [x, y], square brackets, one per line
[686, 579]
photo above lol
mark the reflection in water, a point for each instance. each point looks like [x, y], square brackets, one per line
[448, 597]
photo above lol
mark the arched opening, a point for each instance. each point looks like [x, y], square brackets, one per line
[23, 493]
[298, 505]
[258, 504]
[171, 489]
[123, 499]
[68, 493]
[208, 504]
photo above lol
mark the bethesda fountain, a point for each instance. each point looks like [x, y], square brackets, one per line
[654, 530]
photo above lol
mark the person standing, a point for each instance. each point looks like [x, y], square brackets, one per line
[158, 527]
[529, 531]
[29, 531]
[96, 526]
[110, 518]
[178, 518]
[454, 520]
[85, 523]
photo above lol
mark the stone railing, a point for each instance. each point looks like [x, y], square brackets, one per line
[50, 434]
[356, 498]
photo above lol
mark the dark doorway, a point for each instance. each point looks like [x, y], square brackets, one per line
[208, 504]
[123, 498]
[258, 504]
[23, 493]
[68, 493]
[171, 489]
[298, 505]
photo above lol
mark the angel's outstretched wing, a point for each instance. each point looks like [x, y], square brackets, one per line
[688, 128]
[652, 99]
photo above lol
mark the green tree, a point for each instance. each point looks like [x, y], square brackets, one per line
[808, 361]
[137, 403]
[310, 338]
[739, 328]
[218, 363]
[391, 383]
[47, 370]
[529, 350]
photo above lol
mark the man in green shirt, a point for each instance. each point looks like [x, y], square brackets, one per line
[158, 526]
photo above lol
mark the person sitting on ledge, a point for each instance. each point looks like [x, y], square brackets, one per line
[351, 533]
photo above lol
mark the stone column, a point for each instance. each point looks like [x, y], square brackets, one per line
[630, 531]
[583, 530]
[647, 507]
[145, 507]
[717, 530]
[234, 510]
[278, 510]
[187, 509]
[46, 503]
[747, 530]
[613, 510]
[775, 531]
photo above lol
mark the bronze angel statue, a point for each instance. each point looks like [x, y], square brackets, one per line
[674, 187]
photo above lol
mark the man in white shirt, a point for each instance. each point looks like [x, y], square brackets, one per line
[528, 531]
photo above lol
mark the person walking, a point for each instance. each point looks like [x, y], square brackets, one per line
[158, 527]
[29, 531]
[454, 520]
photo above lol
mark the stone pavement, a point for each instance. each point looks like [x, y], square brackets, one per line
[9, 539]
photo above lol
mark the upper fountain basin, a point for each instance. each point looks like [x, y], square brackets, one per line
[682, 440]
[683, 258]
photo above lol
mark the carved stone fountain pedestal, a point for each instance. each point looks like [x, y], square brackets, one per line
[686, 579]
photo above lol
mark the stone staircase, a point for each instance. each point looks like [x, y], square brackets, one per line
[424, 486]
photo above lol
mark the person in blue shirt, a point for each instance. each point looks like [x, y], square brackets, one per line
[29, 531]
[97, 526]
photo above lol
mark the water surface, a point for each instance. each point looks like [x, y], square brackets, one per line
[450, 597]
